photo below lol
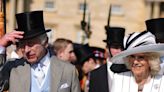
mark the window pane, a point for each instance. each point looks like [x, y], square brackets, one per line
[81, 6]
[49, 4]
[117, 10]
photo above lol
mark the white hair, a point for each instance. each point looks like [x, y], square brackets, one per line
[43, 38]
[153, 60]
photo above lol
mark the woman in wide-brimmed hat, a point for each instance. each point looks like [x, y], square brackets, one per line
[142, 57]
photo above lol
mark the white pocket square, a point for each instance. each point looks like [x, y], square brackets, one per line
[65, 85]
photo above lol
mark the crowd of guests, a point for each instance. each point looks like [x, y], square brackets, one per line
[132, 63]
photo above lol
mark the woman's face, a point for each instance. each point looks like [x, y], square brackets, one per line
[139, 64]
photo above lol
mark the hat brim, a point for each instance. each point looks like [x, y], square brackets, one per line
[159, 35]
[32, 34]
[84, 59]
[105, 41]
[115, 44]
[158, 48]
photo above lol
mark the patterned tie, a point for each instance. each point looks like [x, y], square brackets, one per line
[39, 73]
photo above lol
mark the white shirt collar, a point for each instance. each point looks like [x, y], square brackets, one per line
[46, 59]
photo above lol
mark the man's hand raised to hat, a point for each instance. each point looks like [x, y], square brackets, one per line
[11, 38]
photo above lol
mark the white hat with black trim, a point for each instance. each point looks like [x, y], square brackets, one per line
[138, 43]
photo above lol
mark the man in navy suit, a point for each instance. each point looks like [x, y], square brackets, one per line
[100, 79]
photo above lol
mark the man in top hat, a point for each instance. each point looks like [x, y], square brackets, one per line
[156, 27]
[38, 70]
[100, 79]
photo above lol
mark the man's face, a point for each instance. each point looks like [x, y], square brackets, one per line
[33, 50]
[67, 54]
[114, 51]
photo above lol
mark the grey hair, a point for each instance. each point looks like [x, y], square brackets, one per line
[43, 38]
[153, 60]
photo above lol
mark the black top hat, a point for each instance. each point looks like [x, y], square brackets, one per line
[83, 52]
[31, 23]
[115, 36]
[156, 27]
[98, 52]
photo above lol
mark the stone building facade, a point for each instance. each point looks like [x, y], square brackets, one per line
[64, 16]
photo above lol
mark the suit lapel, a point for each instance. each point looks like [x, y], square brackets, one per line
[26, 79]
[99, 79]
[56, 73]
[103, 76]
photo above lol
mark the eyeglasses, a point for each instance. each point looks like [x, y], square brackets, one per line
[137, 57]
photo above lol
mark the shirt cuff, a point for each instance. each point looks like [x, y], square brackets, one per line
[2, 50]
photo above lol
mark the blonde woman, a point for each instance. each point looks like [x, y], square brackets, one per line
[142, 57]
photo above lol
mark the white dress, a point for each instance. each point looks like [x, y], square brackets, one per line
[125, 82]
